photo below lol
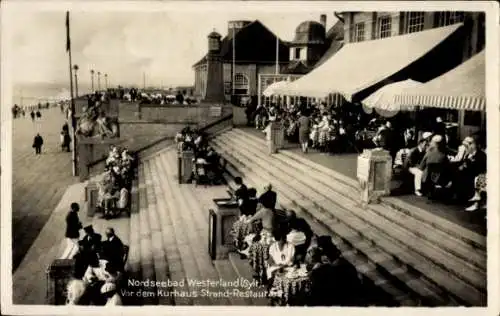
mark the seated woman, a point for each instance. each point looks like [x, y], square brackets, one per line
[478, 200]
[123, 201]
[281, 255]
[266, 216]
[435, 166]
[472, 166]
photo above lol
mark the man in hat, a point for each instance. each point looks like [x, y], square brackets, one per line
[268, 198]
[91, 242]
[112, 249]
[37, 144]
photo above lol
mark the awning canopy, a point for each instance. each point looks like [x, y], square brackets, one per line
[384, 98]
[358, 66]
[461, 88]
[271, 89]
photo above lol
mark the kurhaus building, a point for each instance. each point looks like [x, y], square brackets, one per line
[381, 48]
[250, 50]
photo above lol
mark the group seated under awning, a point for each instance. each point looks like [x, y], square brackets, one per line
[462, 88]
[362, 65]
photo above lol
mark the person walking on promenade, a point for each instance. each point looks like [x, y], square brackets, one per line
[38, 115]
[73, 226]
[37, 144]
[32, 114]
[304, 131]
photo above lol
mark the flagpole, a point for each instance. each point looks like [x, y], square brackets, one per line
[234, 60]
[277, 54]
[73, 120]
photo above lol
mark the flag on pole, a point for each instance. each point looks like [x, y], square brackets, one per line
[68, 41]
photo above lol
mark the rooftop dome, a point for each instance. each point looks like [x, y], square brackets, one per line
[214, 34]
[309, 32]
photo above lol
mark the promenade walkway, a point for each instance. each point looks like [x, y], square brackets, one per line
[38, 182]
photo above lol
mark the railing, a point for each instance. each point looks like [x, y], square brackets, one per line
[212, 128]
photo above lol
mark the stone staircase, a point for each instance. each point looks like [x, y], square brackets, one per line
[168, 238]
[415, 257]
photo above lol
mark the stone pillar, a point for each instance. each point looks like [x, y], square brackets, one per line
[185, 165]
[374, 172]
[59, 273]
[221, 222]
[92, 192]
[275, 137]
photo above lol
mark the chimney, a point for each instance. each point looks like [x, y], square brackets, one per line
[322, 20]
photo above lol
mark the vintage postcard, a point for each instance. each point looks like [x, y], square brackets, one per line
[251, 157]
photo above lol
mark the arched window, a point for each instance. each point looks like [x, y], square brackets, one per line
[241, 84]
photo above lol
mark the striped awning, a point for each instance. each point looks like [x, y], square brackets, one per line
[361, 65]
[385, 98]
[462, 88]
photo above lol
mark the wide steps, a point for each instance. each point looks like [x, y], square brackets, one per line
[170, 231]
[397, 293]
[355, 224]
[348, 186]
[469, 263]
[393, 237]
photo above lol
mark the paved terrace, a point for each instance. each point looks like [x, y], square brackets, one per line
[38, 182]
[346, 164]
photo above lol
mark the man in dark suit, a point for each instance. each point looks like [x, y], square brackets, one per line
[241, 193]
[112, 249]
[268, 198]
[73, 226]
[37, 144]
[91, 242]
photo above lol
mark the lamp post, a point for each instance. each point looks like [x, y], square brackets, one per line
[92, 78]
[99, 81]
[75, 68]
[106, 80]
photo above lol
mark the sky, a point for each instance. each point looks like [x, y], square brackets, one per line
[163, 45]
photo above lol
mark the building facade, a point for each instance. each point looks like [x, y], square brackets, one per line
[367, 26]
[250, 50]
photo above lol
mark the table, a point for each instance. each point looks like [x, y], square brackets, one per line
[290, 290]
[258, 256]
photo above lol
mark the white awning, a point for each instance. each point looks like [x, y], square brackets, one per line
[462, 88]
[384, 98]
[270, 90]
[358, 66]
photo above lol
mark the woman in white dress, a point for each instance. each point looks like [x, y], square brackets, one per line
[281, 255]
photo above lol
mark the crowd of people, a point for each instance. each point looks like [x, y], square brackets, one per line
[459, 177]
[434, 164]
[99, 264]
[94, 121]
[35, 110]
[158, 97]
[281, 245]
[116, 183]
[207, 165]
